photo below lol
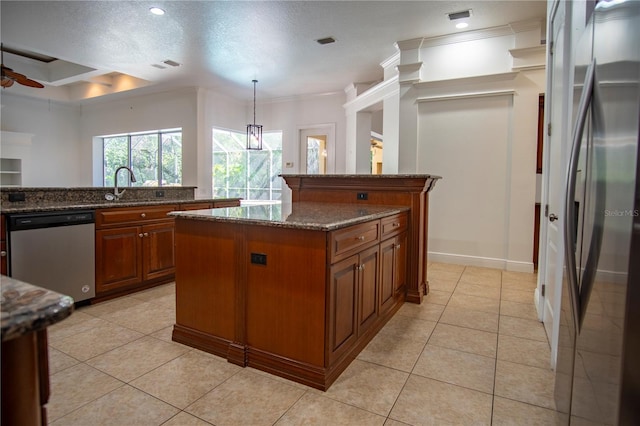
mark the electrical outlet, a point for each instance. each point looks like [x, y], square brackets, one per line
[259, 258]
[363, 196]
[288, 164]
[16, 196]
[159, 193]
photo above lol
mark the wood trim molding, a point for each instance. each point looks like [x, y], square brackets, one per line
[466, 96]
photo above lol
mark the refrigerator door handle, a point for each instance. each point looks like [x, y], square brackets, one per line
[570, 209]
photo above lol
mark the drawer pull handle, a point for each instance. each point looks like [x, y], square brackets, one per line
[143, 215]
[140, 235]
[3, 253]
[146, 234]
[359, 267]
[360, 238]
[395, 224]
[398, 246]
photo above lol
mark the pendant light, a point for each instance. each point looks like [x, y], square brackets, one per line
[254, 131]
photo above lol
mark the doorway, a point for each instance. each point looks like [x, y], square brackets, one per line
[317, 149]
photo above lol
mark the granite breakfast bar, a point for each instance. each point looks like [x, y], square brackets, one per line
[296, 290]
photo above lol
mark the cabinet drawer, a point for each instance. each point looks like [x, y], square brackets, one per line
[195, 206]
[115, 216]
[394, 224]
[348, 240]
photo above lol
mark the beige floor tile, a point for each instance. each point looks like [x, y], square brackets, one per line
[471, 319]
[76, 386]
[430, 402]
[145, 317]
[105, 308]
[519, 310]
[442, 285]
[442, 275]
[475, 303]
[246, 399]
[314, 409]
[519, 296]
[123, 406]
[440, 266]
[409, 327]
[520, 327]
[525, 384]
[456, 367]
[391, 422]
[530, 277]
[164, 334]
[518, 285]
[393, 351]
[134, 359]
[507, 412]
[484, 276]
[425, 310]
[155, 293]
[185, 419]
[524, 351]
[98, 340]
[78, 322]
[269, 375]
[368, 386]
[183, 380]
[59, 361]
[477, 290]
[465, 339]
[436, 296]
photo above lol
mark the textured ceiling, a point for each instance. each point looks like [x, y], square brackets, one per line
[223, 45]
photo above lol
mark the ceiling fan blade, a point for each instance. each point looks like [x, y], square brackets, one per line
[6, 82]
[8, 72]
[28, 82]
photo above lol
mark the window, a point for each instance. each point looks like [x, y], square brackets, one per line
[241, 173]
[155, 158]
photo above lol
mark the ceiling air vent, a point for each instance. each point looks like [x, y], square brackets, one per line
[326, 40]
[171, 63]
[459, 15]
[160, 67]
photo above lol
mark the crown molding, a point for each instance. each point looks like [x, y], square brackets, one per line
[522, 26]
[466, 81]
[414, 43]
[468, 95]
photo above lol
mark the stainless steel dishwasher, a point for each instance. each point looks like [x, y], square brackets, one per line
[54, 250]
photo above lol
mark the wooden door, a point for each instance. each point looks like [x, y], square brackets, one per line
[118, 258]
[158, 248]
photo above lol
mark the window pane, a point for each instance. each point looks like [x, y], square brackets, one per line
[252, 175]
[144, 159]
[116, 154]
[172, 159]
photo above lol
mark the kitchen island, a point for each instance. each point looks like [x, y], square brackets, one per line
[26, 312]
[297, 290]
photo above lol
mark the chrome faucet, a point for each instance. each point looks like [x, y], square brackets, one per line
[115, 181]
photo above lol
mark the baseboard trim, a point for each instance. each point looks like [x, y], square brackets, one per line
[485, 262]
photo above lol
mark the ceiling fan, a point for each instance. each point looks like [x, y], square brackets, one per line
[9, 76]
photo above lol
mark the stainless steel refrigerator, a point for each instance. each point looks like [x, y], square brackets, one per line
[598, 366]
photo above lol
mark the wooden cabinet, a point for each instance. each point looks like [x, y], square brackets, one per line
[298, 303]
[135, 247]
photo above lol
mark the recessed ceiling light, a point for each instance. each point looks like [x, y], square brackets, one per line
[156, 11]
[461, 25]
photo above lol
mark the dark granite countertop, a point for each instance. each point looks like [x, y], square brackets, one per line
[46, 206]
[301, 215]
[25, 308]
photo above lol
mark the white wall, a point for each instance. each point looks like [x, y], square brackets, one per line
[471, 117]
[55, 149]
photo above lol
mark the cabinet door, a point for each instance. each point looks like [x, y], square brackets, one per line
[368, 288]
[343, 306]
[387, 273]
[118, 258]
[400, 262]
[158, 248]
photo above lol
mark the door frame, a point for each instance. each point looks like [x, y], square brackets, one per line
[326, 129]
